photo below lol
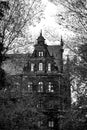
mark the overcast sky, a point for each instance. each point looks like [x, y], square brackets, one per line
[49, 23]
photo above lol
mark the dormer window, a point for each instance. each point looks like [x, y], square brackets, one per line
[40, 66]
[41, 53]
[32, 67]
[49, 66]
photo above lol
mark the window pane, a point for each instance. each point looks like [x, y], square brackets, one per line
[29, 86]
[50, 87]
[40, 123]
[40, 53]
[51, 124]
[40, 87]
[49, 67]
[40, 104]
[40, 66]
[32, 67]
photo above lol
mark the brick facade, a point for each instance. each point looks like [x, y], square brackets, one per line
[43, 75]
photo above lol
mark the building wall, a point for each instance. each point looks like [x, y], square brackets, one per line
[50, 101]
[47, 83]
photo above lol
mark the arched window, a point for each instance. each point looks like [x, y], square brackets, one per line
[32, 67]
[50, 87]
[29, 86]
[40, 87]
[40, 66]
[49, 67]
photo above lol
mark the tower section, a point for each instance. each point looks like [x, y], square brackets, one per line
[44, 78]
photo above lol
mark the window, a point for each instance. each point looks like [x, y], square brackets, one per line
[40, 104]
[17, 84]
[49, 67]
[50, 87]
[29, 86]
[40, 53]
[40, 123]
[40, 66]
[32, 67]
[51, 124]
[40, 87]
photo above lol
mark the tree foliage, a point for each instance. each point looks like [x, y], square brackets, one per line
[21, 113]
[15, 21]
[74, 15]
[15, 16]
[74, 18]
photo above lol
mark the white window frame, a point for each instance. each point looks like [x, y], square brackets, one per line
[40, 87]
[32, 66]
[40, 53]
[50, 86]
[49, 66]
[40, 66]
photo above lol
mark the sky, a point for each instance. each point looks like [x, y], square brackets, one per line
[49, 23]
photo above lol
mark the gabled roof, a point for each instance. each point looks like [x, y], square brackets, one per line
[16, 62]
[54, 50]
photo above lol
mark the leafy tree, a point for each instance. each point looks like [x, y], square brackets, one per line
[15, 16]
[22, 114]
[3, 6]
[75, 17]
[22, 13]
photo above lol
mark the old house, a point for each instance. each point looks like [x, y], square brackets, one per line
[43, 74]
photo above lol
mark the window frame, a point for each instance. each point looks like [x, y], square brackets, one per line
[40, 123]
[50, 86]
[32, 67]
[40, 104]
[40, 53]
[49, 67]
[51, 124]
[40, 66]
[40, 87]
[29, 87]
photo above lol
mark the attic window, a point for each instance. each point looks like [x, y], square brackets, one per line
[40, 53]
